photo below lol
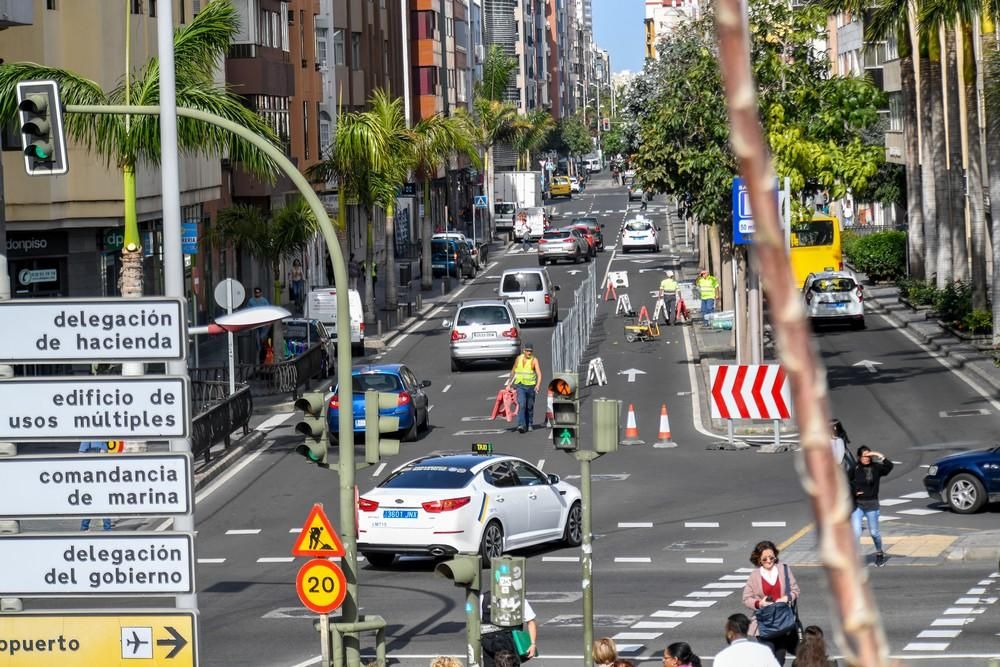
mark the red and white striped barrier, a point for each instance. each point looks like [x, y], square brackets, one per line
[749, 392]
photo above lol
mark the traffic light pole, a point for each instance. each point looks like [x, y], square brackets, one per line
[586, 553]
[345, 426]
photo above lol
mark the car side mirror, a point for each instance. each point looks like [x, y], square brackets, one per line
[553, 478]
[425, 383]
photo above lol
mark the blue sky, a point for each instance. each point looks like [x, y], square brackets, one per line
[618, 28]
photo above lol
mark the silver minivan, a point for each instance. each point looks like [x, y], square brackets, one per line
[483, 329]
[531, 294]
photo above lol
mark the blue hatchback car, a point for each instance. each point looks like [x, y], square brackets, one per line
[965, 481]
[398, 379]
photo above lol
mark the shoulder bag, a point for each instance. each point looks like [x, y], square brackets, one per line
[777, 619]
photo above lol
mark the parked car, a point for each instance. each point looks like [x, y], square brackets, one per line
[484, 329]
[560, 187]
[452, 257]
[300, 334]
[531, 293]
[478, 259]
[461, 502]
[321, 304]
[411, 401]
[965, 481]
[640, 234]
[635, 191]
[564, 243]
[834, 296]
[596, 229]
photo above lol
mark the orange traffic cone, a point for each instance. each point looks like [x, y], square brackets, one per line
[631, 430]
[663, 440]
[549, 416]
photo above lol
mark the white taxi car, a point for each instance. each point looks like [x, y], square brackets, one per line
[834, 295]
[464, 502]
[640, 234]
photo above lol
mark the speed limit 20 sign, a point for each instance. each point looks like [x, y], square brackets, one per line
[321, 585]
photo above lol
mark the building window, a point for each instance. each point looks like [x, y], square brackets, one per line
[305, 129]
[355, 50]
[426, 79]
[136, 6]
[324, 133]
[274, 110]
[423, 24]
[321, 54]
[338, 47]
[895, 112]
[302, 34]
[50, 4]
[152, 8]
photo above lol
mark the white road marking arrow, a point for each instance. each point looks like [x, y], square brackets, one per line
[573, 272]
[631, 373]
[870, 365]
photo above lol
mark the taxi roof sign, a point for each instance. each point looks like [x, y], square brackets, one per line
[318, 538]
[482, 447]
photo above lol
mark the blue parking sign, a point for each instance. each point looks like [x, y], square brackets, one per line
[742, 216]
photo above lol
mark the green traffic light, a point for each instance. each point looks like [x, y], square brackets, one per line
[565, 438]
[41, 153]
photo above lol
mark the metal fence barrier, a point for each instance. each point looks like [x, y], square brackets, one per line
[287, 376]
[217, 415]
[571, 336]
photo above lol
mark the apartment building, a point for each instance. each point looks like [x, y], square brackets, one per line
[662, 18]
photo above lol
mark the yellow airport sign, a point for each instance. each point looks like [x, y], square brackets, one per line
[108, 638]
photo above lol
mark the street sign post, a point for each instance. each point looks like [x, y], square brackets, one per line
[321, 586]
[109, 564]
[88, 330]
[62, 486]
[94, 408]
[480, 201]
[107, 637]
[317, 538]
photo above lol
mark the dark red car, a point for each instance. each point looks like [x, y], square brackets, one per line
[587, 234]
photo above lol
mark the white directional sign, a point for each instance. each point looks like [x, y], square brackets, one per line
[101, 564]
[95, 485]
[88, 330]
[93, 408]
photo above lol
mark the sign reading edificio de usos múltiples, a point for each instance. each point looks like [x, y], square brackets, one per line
[94, 408]
[88, 330]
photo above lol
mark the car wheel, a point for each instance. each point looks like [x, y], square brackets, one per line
[573, 532]
[491, 543]
[456, 366]
[410, 434]
[965, 494]
[425, 424]
[554, 320]
[379, 558]
[541, 262]
[860, 324]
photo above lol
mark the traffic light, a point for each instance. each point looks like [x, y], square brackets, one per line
[42, 135]
[462, 569]
[507, 588]
[606, 434]
[316, 446]
[565, 412]
[375, 446]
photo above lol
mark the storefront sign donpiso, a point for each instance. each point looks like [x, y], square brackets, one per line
[87, 330]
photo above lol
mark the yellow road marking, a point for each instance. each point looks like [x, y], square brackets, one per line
[796, 537]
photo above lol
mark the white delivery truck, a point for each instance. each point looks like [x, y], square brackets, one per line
[523, 189]
[321, 304]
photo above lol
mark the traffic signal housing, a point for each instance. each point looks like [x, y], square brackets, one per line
[606, 435]
[565, 412]
[43, 138]
[313, 425]
[375, 425]
[462, 569]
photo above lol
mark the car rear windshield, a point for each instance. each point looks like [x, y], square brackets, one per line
[428, 476]
[377, 381]
[556, 234]
[298, 331]
[638, 226]
[812, 233]
[832, 285]
[522, 282]
[483, 315]
[442, 247]
[590, 222]
[503, 209]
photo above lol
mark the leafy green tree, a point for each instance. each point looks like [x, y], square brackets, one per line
[498, 73]
[530, 133]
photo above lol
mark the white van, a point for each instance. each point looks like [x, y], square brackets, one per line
[321, 304]
[531, 294]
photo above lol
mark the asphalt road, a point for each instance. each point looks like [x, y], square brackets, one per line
[673, 527]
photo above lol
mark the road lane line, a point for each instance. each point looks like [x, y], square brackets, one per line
[703, 560]
[644, 636]
[243, 531]
[275, 559]
[670, 613]
[701, 524]
[560, 559]
[939, 634]
[655, 625]
[379, 469]
[635, 524]
[693, 604]
[446, 388]
[709, 594]
[274, 421]
[541, 464]
[726, 584]
[768, 524]
[633, 559]
[796, 537]
[926, 646]
[211, 561]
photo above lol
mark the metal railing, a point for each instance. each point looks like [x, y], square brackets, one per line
[217, 415]
[281, 377]
[571, 336]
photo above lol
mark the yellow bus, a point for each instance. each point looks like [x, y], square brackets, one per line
[815, 247]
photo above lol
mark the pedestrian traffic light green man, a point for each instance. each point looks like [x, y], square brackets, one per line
[565, 412]
[42, 135]
[313, 425]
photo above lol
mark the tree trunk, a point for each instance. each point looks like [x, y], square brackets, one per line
[715, 256]
[488, 186]
[939, 138]
[914, 213]
[391, 280]
[130, 282]
[977, 214]
[426, 230]
[993, 173]
[369, 295]
[928, 175]
[956, 171]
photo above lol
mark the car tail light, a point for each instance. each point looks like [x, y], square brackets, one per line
[436, 506]
[861, 296]
[456, 335]
[510, 333]
[334, 402]
[366, 505]
[540, 241]
[548, 299]
[361, 326]
[403, 398]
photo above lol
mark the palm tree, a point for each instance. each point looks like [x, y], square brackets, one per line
[491, 123]
[531, 133]
[126, 141]
[498, 68]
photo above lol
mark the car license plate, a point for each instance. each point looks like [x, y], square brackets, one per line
[399, 514]
[484, 334]
[359, 423]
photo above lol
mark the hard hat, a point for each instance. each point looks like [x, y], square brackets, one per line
[670, 274]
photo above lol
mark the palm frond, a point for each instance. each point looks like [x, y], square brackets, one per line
[886, 19]
[200, 45]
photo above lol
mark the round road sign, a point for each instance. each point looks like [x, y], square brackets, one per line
[230, 293]
[321, 585]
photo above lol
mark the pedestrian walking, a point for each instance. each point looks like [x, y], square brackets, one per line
[353, 272]
[526, 241]
[865, 477]
[526, 377]
[296, 284]
[812, 650]
[94, 447]
[670, 291]
[708, 291]
[679, 654]
[741, 652]
[772, 583]
[604, 652]
[495, 640]
[258, 299]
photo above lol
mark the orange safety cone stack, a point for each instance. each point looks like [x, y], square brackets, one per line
[631, 430]
[663, 440]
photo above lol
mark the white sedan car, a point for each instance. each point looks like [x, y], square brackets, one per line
[462, 502]
[640, 234]
[834, 296]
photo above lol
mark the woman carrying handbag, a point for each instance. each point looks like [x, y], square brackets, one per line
[772, 592]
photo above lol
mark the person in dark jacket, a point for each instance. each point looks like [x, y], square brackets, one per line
[865, 478]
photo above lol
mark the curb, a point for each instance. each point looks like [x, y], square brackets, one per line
[247, 443]
[973, 554]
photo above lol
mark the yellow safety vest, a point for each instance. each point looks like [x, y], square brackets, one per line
[707, 287]
[524, 371]
[668, 286]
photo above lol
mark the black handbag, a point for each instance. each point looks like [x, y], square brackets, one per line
[778, 619]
